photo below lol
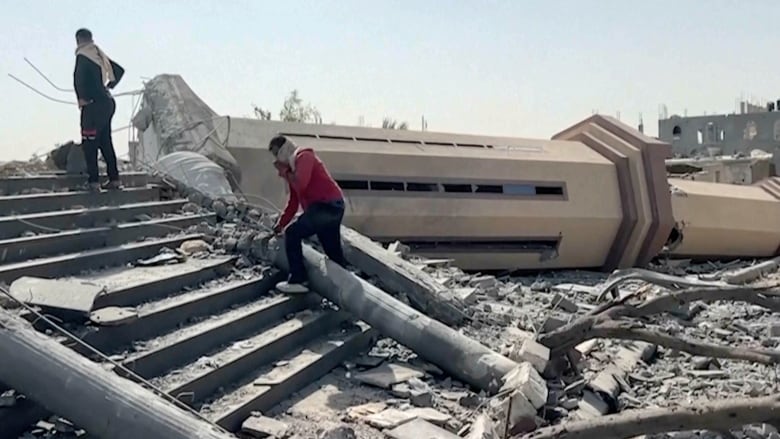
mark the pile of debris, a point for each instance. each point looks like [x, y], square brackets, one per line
[662, 341]
[684, 348]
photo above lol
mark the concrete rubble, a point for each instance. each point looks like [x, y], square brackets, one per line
[392, 392]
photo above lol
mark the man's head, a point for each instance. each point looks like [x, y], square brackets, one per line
[83, 35]
[275, 145]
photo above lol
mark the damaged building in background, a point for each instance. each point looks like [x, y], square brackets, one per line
[595, 196]
[734, 136]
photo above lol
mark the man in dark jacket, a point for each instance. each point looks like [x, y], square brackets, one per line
[95, 74]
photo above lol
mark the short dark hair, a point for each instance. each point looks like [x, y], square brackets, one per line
[276, 142]
[84, 34]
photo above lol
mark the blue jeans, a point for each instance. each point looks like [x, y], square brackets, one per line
[323, 220]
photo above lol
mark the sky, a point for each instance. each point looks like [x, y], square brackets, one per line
[526, 68]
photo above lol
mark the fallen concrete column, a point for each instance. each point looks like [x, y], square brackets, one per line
[95, 399]
[401, 277]
[456, 354]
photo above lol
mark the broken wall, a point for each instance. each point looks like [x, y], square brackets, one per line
[728, 133]
[173, 118]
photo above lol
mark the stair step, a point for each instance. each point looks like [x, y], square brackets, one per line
[161, 354]
[71, 241]
[136, 285]
[165, 315]
[14, 226]
[35, 203]
[16, 184]
[242, 357]
[274, 384]
[70, 264]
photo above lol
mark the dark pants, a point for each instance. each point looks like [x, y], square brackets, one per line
[96, 135]
[323, 220]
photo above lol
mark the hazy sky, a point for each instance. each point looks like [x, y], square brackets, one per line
[524, 67]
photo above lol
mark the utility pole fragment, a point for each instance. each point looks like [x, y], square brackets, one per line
[95, 399]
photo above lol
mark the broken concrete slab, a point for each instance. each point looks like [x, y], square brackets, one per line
[751, 273]
[532, 352]
[561, 302]
[576, 288]
[359, 412]
[607, 382]
[552, 323]
[370, 360]
[113, 316]
[420, 429]
[467, 295]
[431, 415]
[386, 375]
[263, 427]
[586, 346]
[592, 405]
[517, 410]
[66, 299]
[421, 397]
[389, 418]
[525, 379]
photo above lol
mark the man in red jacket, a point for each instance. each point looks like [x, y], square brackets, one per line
[313, 189]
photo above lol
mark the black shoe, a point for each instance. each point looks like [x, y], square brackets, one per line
[113, 186]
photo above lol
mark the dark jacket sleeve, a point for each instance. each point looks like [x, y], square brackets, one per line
[80, 78]
[119, 72]
[87, 79]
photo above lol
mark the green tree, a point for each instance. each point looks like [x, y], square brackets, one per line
[262, 114]
[392, 124]
[295, 110]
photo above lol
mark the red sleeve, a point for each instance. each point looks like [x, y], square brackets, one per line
[304, 163]
[290, 210]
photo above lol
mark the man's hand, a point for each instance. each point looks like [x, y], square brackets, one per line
[277, 229]
[282, 169]
[83, 103]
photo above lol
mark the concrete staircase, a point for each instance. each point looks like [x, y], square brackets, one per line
[214, 336]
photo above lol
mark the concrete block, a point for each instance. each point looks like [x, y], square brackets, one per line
[527, 380]
[389, 418]
[466, 295]
[522, 413]
[358, 412]
[431, 415]
[484, 282]
[535, 353]
[593, 405]
[418, 429]
[421, 398]
[68, 296]
[553, 323]
[751, 273]
[386, 375]
[561, 302]
[262, 427]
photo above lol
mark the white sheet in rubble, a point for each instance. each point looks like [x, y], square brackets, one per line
[196, 171]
